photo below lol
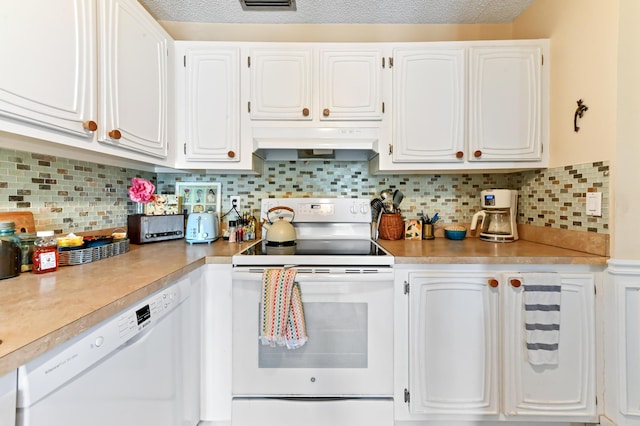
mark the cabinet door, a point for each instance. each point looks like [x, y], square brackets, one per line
[565, 391]
[350, 84]
[428, 105]
[212, 104]
[453, 345]
[281, 84]
[49, 55]
[132, 78]
[505, 98]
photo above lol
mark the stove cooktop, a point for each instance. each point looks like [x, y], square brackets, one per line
[316, 252]
[318, 248]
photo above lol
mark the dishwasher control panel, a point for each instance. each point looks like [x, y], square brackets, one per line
[137, 319]
[40, 376]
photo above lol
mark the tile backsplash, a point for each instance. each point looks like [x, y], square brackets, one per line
[68, 195]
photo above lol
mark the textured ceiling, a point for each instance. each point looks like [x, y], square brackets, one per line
[343, 11]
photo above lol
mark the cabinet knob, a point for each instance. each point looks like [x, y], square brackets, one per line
[326, 112]
[115, 134]
[515, 283]
[477, 154]
[305, 112]
[231, 154]
[493, 282]
[90, 125]
[459, 154]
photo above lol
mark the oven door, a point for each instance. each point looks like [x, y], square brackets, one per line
[349, 318]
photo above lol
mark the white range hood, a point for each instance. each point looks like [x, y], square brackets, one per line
[315, 143]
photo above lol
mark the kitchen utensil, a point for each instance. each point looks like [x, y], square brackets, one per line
[280, 232]
[398, 196]
[376, 207]
[386, 193]
[23, 221]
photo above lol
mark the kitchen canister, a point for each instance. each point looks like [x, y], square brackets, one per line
[10, 252]
[391, 226]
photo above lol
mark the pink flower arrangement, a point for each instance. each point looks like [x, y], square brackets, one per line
[141, 190]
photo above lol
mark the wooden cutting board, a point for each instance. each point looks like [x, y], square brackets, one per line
[23, 220]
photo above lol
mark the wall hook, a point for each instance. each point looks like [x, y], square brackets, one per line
[579, 112]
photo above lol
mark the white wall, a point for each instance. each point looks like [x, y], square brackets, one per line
[627, 171]
[584, 38]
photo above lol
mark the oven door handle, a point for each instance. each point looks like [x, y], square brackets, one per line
[329, 277]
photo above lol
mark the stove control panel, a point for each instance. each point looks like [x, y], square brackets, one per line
[328, 210]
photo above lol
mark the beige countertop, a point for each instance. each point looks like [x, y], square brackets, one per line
[38, 312]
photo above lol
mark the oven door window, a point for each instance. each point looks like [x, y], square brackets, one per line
[337, 339]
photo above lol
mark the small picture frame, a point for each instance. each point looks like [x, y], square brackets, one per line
[163, 204]
[199, 197]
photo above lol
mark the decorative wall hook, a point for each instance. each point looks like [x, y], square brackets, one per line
[579, 112]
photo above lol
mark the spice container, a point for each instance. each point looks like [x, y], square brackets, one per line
[10, 253]
[45, 254]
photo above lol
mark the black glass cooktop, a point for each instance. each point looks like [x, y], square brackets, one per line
[319, 248]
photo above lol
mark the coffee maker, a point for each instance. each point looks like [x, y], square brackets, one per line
[498, 217]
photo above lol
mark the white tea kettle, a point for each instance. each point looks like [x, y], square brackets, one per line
[280, 232]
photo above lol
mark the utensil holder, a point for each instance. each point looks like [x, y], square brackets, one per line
[391, 226]
[427, 231]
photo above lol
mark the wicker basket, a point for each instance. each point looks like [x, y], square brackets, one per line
[391, 226]
[87, 255]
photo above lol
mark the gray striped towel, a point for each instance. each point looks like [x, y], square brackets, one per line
[542, 317]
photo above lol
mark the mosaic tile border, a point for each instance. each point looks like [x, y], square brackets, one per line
[66, 195]
[69, 195]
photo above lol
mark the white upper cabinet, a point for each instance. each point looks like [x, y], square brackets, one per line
[84, 72]
[428, 104]
[465, 106]
[315, 82]
[48, 72]
[208, 108]
[132, 78]
[350, 84]
[505, 103]
[212, 106]
[281, 84]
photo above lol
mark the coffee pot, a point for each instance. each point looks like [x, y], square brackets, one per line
[498, 219]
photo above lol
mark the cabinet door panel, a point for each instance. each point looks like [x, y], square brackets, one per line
[350, 85]
[281, 84]
[133, 78]
[429, 102]
[566, 390]
[212, 104]
[48, 72]
[505, 98]
[453, 326]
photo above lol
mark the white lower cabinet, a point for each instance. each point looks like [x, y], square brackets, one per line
[8, 395]
[466, 355]
[622, 342]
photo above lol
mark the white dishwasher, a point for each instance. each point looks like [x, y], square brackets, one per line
[140, 367]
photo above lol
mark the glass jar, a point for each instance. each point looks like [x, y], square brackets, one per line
[27, 246]
[45, 254]
[10, 253]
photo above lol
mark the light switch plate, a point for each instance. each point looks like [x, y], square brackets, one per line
[594, 203]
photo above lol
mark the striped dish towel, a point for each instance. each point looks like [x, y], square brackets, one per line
[281, 315]
[542, 317]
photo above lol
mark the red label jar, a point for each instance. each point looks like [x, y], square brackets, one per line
[45, 253]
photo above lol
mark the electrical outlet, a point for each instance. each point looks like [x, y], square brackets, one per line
[236, 201]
